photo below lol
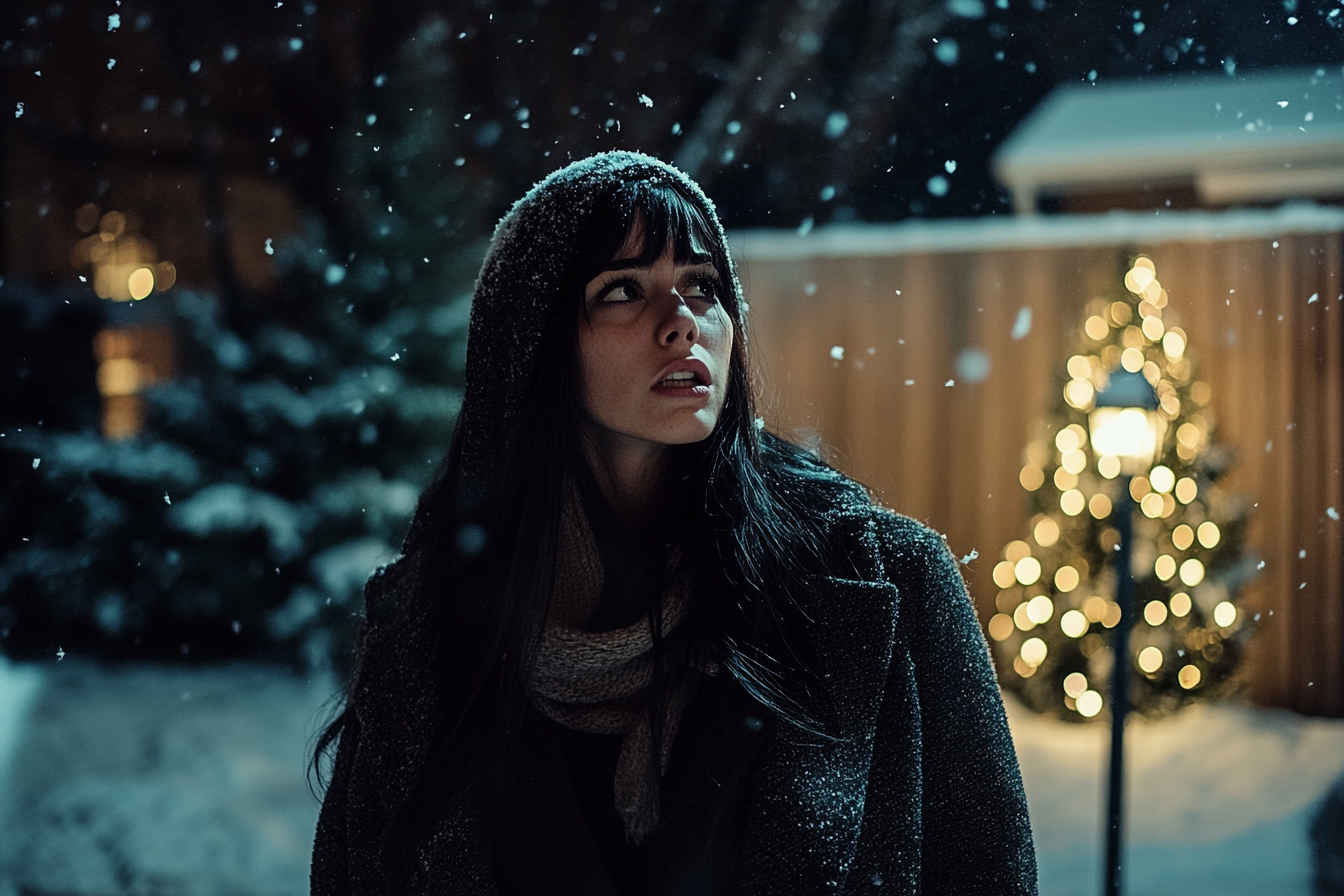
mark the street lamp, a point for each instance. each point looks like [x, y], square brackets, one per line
[1123, 424]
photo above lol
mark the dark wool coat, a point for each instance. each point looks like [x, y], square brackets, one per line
[919, 794]
[922, 794]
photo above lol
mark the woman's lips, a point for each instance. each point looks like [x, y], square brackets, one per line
[686, 376]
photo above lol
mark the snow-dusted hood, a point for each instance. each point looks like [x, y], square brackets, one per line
[518, 286]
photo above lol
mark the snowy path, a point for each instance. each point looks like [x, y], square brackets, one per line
[168, 779]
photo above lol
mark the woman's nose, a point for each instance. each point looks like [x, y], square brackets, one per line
[680, 321]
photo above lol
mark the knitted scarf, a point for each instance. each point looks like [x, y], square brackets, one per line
[599, 682]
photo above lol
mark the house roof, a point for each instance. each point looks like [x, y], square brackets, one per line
[1259, 136]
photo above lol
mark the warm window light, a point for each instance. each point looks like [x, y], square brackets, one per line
[140, 283]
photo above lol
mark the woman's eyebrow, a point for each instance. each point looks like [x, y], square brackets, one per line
[624, 264]
[627, 264]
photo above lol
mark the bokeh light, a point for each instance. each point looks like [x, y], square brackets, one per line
[1192, 572]
[1209, 535]
[1040, 608]
[1033, 651]
[1155, 612]
[1000, 626]
[1066, 579]
[1073, 623]
[1189, 677]
[1150, 659]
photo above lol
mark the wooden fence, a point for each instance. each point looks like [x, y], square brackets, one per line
[857, 333]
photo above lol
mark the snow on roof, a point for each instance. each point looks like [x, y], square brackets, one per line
[1045, 231]
[1266, 134]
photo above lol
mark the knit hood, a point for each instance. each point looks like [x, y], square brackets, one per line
[519, 284]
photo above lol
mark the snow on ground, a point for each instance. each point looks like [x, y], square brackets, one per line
[173, 780]
[148, 779]
[1218, 799]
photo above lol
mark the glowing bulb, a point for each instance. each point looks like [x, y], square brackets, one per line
[1066, 440]
[1108, 465]
[1174, 345]
[1094, 608]
[1000, 626]
[1079, 394]
[1225, 614]
[1113, 614]
[1099, 506]
[1096, 328]
[1192, 572]
[1033, 651]
[1155, 613]
[1073, 624]
[1132, 360]
[1161, 478]
[1014, 551]
[1080, 369]
[1182, 537]
[1150, 659]
[1022, 619]
[1188, 677]
[1209, 535]
[1027, 571]
[1165, 567]
[1003, 574]
[1074, 684]
[1046, 532]
[1089, 704]
[1180, 604]
[1186, 490]
[1066, 579]
[1040, 608]
[1152, 328]
[1031, 477]
[1071, 502]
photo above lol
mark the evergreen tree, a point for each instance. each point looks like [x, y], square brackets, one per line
[1057, 585]
[283, 463]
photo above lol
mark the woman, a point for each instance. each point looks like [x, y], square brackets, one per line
[635, 643]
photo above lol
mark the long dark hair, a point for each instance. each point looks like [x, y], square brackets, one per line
[745, 502]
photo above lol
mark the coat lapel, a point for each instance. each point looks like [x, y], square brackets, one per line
[804, 822]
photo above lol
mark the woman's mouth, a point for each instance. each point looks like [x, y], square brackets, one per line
[680, 380]
[688, 376]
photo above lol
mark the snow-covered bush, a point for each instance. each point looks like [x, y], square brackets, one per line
[282, 461]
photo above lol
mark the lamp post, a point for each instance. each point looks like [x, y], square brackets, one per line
[1123, 424]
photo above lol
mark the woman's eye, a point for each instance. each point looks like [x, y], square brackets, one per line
[702, 288]
[621, 291]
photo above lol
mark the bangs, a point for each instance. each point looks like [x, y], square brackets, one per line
[668, 217]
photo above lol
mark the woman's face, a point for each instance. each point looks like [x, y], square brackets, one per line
[654, 349]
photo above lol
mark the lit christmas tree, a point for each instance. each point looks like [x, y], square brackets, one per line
[1056, 586]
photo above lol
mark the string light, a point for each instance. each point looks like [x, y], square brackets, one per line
[1039, 577]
